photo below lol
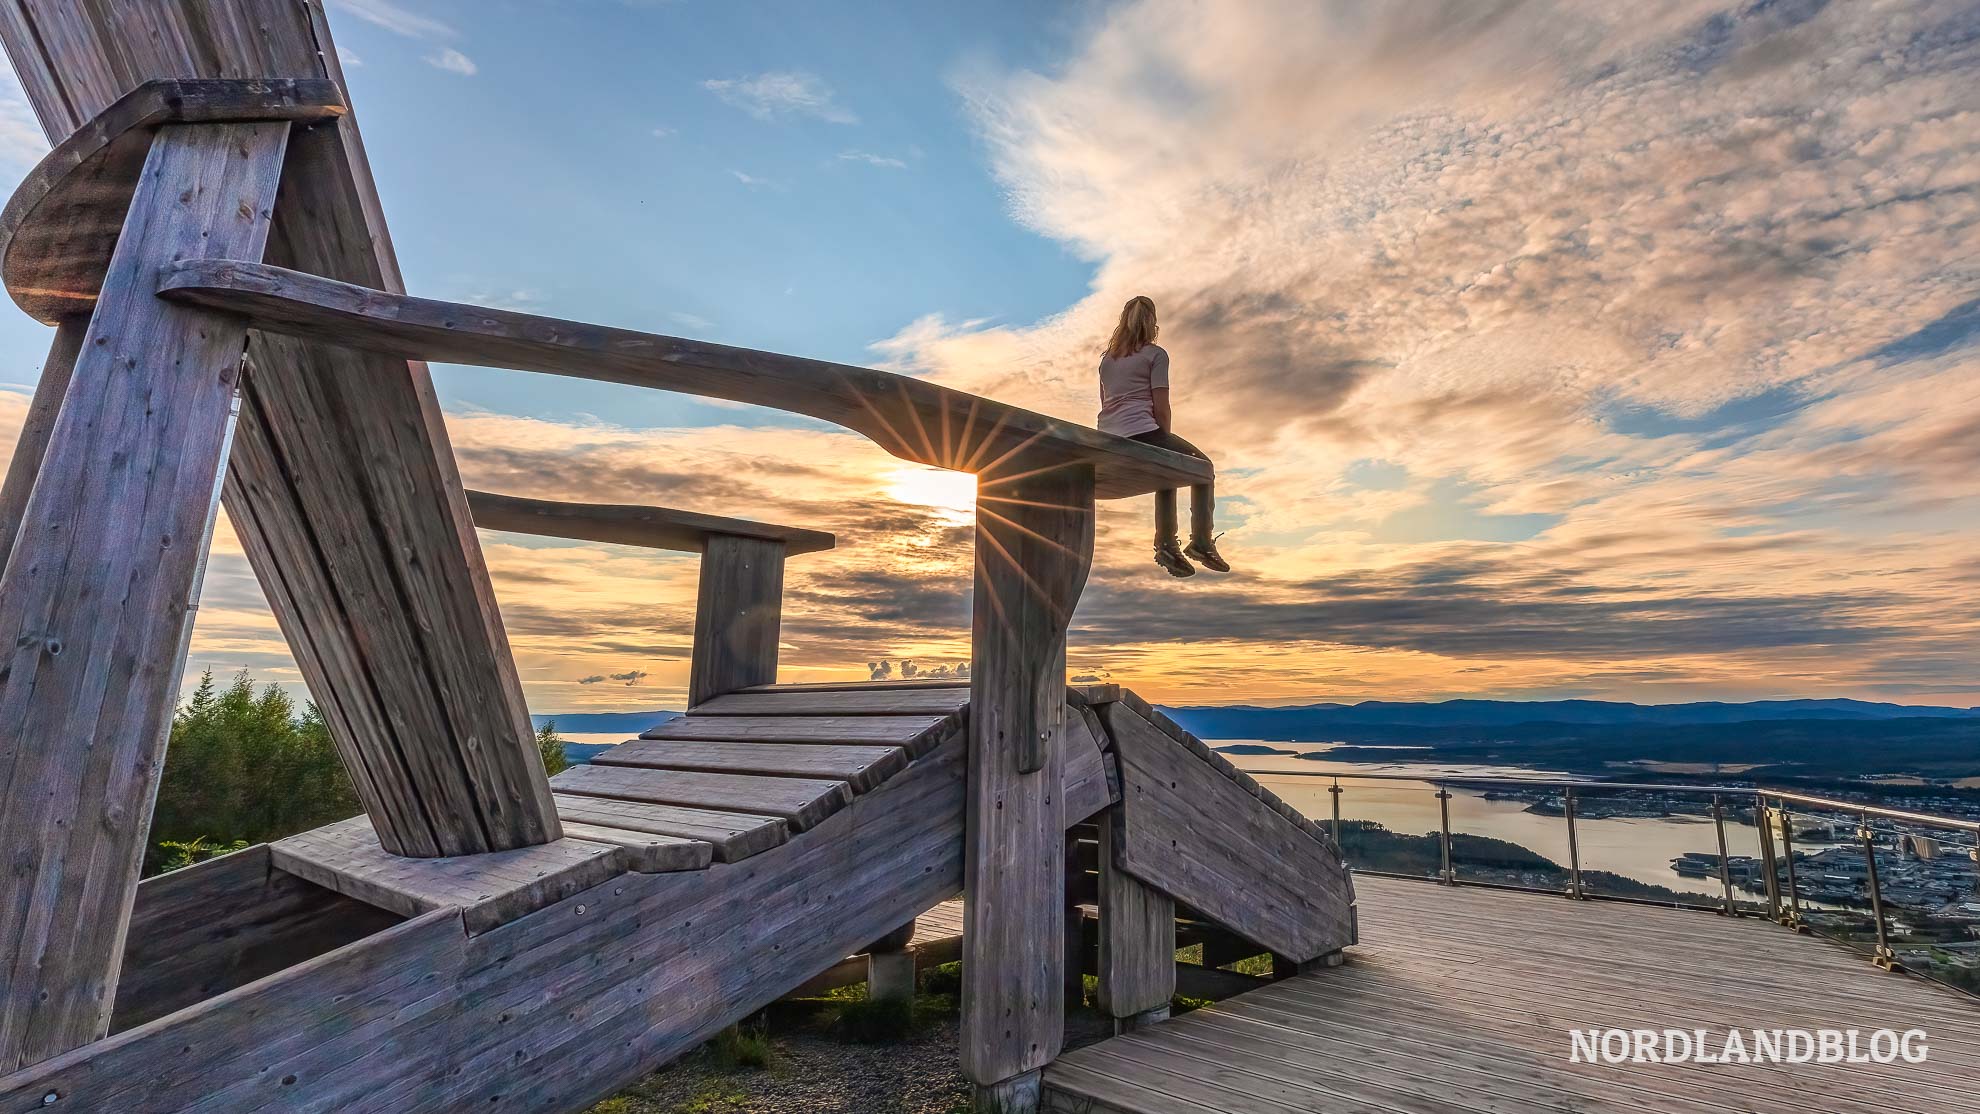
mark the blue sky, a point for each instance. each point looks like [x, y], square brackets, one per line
[1556, 348]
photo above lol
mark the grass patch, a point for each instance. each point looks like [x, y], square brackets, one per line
[1260, 965]
[744, 1047]
[945, 979]
[874, 1020]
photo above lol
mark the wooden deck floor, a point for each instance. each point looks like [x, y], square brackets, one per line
[1462, 1000]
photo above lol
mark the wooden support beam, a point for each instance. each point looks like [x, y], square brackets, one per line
[343, 487]
[1137, 934]
[650, 527]
[97, 601]
[1034, 544]
[25, 465]
[908, 417]
[737, 613]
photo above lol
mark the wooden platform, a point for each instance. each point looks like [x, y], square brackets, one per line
[1462, 1000]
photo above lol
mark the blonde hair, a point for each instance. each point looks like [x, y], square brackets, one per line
[1136, 330]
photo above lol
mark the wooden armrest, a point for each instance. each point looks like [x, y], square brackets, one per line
[652, 527]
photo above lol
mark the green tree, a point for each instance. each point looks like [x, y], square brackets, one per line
[551, 746]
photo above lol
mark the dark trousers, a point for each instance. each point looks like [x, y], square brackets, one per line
[1202, 497]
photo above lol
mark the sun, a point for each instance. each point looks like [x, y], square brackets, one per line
[952, 495]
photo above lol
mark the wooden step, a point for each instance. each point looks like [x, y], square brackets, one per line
[872, 686]
[802, 802]
[918, 734]
[841, 702]
[733, 835]
[491, 888]
[862, 767]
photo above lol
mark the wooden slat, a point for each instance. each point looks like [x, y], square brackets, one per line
[36, 425]
[839, 702]
[645, 852]
[908, 417]
[1089, 777]
[490, 888]
[915, 733]
[739, 605]
[864, 686]
[863, 768]
[1034, 545]
[1195, 834]
[649, 527]
[1137, 935]
[61, 224]
[735, 836]
[801, 802]
[97, 599]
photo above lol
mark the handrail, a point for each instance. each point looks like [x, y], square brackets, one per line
[910, 418]
[647, 527]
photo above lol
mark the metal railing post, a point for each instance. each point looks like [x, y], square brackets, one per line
[1448, 875]
[1885, 957]
[1763, 822]
[1793, 918]
[1574, 847]
[1335, 791]
[1725, 860]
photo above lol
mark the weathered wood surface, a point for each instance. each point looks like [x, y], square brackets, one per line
[865, 686]
[1200, 837]
[1137, 934]
[739, 607]
[351, 513]
[649, 527]
[911, 418]
[25, 464]
[1034, 544]
[1090, 780]
[801, 802]
[915, 733]
[646, 852]
[1098, 696]
[210, 927]
[58, 229]
[490, 888]
[735, 836]
[942, 701]
[862, 767]
[1463, 1000]
[549, 1012]
[97, 599]
[937, 940]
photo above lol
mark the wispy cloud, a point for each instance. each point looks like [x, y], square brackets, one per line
[780, 94]
[872, 159]
[453, 61]
[348, 58]
[396, 18]
[754, 182]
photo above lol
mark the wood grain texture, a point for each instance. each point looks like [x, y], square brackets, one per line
[645, 852]
[1194, 834]
[205, 929]
[58, 229]
[739, 606]
[650, 527]
[914, 733]
[800, 802]
[352, 516]
[862, 767]
[911, 418]
[49, 390]
[1087, 771]
[942, 701]
[97, 599]
[735, 836]
[1034, 543]
[490, 888]
[1137, 934]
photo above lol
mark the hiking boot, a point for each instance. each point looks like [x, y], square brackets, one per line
[1204, 552]
[1169, 555]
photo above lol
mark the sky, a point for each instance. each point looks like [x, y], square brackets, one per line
[1546, 349]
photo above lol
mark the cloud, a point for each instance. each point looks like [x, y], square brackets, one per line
[631, 676]
[593, 679]
[754, 182]
[348, 58]
[395, 18]
[781, 94]
[662, 133]
[452, 61]
[871, 159]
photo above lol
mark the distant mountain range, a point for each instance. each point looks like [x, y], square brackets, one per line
[600, 723]
[1321, 722]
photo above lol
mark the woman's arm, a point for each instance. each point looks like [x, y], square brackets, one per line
[1160, 398]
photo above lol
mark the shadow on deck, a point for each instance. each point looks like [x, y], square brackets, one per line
[1461, 1000]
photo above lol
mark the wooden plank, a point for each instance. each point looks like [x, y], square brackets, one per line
[946, 700]
[61, 224]
[1137, 934]
[861, 767]
[914, 733]
[735, 836]
[869, 685]
[1194, 834]
[354, 519]
[739, 606]
[650, 527]
[97, 599]
[205, 929]
[645, 852]
[49, 390]
[490, 888]
[911, 418]
[801, 802]
[1034, 544]
[1089, 783]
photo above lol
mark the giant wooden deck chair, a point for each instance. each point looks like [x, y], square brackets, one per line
[229, 327]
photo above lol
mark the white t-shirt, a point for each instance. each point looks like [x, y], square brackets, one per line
[1127, 401]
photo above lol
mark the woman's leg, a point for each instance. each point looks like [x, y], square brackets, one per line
[1202, 497]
